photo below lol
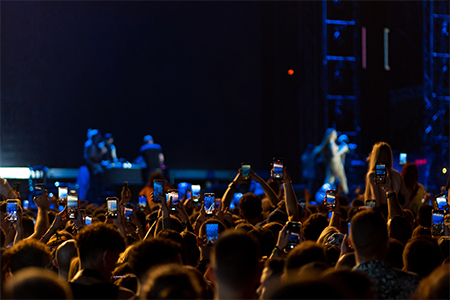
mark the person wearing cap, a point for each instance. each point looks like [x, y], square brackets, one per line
[108, 149]
[153, 157]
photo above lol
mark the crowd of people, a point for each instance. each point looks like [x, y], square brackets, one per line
[270, 246]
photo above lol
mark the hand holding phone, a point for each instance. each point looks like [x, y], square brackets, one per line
[380, 173]
[294, 231]
[11, 210]
[111, 203]
[330, 199]
[212, 233]
[72, 206]
[158, 190]
[245, 168]
[277, 168]
[209, 203]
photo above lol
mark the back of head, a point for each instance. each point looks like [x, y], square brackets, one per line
[250, 206]
[314, 225]
[311, 289]
[422, 255]
[152, 252]
[394, 256]
[352, 284]
[265, 239]
[400, 229]
[424, 216]
[236, 260]
[94, 240]
[172, 282]
[346, 261]
[368, 231]
[37, 283]
[381, 152]
[64, 254]
[27, 253]
[306, 252]
[435, 285]
[410, 174]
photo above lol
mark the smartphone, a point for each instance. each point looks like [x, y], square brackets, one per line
[217, 203]
[195, 188]
[72, 206]
[402, 159]
[16, 186]
[39, 188]
[330, 198]
[437, 222]
[277, 168]
[209, 202]
[294, 229]
[370, 203]
[62, 192]
[245, 167]
[380, 173]
[212, 233]
[11, 210]
[188, 194]
[158, 190]
[441, 201]
[142, 202]
[175, 198]
[128, 212]
[88, 220]
[111, 204]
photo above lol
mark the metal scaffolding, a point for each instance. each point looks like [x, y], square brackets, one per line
[436, 93]
[341, 61]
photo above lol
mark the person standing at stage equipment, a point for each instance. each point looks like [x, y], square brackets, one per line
[153, 157]
[93, 158]
[382, 153]
[109, 153]
[332, 155]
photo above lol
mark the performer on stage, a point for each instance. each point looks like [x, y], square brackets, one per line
[153, 157]
[333, 157]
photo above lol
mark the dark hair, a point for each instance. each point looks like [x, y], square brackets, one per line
[27, 253]
[400, 229]
[368, 231]
[37, 283]
[410, 174]
[236, 257]
[172, 282]
[152, 252]
[422, 255]
[306, 252]
[435, 285]
[424, 215]
[251, 206]
[94, 240]
[314, 225]
[394, 256]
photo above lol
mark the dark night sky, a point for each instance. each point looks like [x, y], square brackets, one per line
[206, 78]
[186, 72]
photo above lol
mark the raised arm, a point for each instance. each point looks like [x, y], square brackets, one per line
[229, 193]
[290, 198]
[42, 223]
[394, 207]
[268, 191]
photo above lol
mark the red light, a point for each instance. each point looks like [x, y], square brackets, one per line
[290, 72]
[421, 162]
